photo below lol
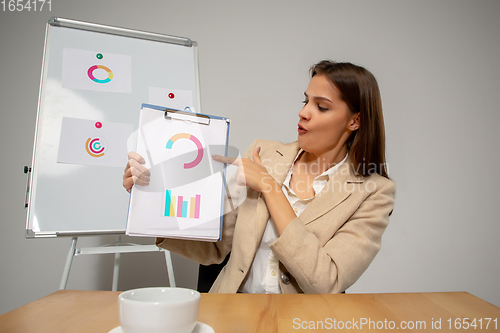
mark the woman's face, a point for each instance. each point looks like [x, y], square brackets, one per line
[325, 120]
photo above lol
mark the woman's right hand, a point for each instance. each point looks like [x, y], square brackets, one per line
[135, 172]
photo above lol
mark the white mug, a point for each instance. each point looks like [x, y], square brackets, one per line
[158, 310]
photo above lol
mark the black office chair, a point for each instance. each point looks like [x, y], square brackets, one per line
[208, 274]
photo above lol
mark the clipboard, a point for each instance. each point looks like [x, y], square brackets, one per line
[185, 196]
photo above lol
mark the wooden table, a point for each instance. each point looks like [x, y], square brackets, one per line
[97, 311]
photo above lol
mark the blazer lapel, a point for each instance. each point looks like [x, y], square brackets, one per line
[281, 161]
[277, 165]
[338, 189]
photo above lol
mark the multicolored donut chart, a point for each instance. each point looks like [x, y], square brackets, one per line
[91, 70]
[197, 142]
[94, 148]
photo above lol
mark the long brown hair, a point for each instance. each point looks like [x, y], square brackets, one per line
[359, 89]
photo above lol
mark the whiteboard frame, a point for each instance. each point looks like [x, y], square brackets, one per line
[99, 28]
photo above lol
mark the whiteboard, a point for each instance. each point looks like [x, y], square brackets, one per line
[94, 80]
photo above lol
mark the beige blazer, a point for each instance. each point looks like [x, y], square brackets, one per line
[324, 250]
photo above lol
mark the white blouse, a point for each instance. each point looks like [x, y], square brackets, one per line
[263, 277]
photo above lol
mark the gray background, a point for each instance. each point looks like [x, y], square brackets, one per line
[436, 63]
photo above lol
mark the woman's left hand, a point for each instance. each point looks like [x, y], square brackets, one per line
[250, 173]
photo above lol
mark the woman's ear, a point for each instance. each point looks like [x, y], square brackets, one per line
[354, 122]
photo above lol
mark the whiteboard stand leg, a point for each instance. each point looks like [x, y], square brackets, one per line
[116, 272]
[116, 248]
[170, 269]
[116, 269]
[69, 261]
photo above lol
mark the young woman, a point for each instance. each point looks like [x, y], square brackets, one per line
[315, 210]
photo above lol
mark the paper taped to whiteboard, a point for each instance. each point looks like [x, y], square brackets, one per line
[97, 71]
[171, 98]
[91, 142]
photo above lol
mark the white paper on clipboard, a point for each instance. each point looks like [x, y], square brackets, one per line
[184, 198]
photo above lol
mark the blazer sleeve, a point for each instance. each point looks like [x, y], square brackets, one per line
[335, 265]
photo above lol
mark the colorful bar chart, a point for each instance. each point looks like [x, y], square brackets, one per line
[176, 206]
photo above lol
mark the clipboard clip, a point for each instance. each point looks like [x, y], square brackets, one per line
[187, 116]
